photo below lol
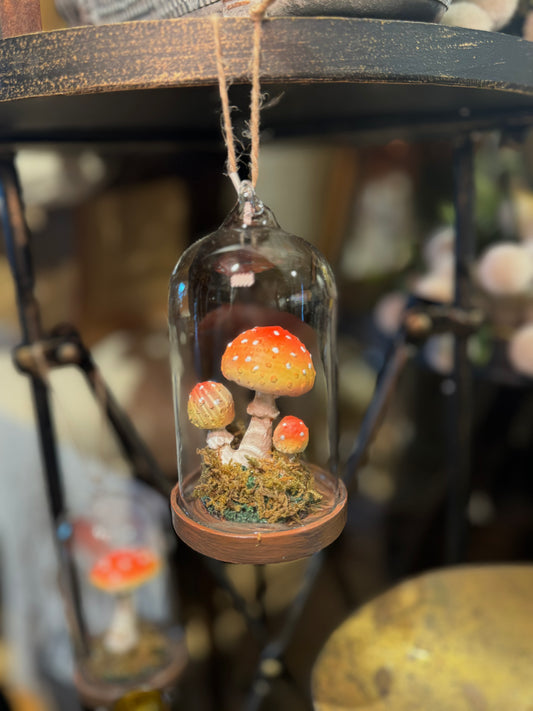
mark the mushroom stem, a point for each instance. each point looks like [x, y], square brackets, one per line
[257, 440]
[216, 439]
[122, 634]
[220, 441]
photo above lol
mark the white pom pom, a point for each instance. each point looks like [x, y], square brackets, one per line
[439, 247]
[436, 286]
[520, 350]
[499, 11]
[466, 14]
[506, 269]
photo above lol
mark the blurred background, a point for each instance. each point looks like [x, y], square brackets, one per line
[107, 227]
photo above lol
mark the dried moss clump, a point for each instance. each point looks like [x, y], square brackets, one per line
[273, 490]
[147, 657]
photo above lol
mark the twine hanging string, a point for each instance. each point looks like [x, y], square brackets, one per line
[257, 15]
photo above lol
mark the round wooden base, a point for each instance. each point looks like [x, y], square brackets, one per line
[95, 692]
[260, 543]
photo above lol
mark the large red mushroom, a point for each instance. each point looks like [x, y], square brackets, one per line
[119, 573]
[274, 363]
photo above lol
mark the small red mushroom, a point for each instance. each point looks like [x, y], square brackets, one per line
[119, 573]
[291, 436]
[274, 363]
[211, 407]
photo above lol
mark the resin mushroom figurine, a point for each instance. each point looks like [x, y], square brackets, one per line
[120, 573]
[211, 407]
[291, 436]
[274, 363]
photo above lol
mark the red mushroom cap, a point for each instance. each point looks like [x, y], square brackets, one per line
[271, 360]
[291, 436]
[124, 569]
[210, 406]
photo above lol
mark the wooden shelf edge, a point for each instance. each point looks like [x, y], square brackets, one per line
[180, 53]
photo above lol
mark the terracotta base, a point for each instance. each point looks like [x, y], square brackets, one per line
[260, 543]
[102, 693]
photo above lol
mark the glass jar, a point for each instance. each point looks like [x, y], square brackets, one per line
[252, 318]
[129, 638]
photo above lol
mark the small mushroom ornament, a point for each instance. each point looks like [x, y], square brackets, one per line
[291, 436]
[211, 407]
[274, 363]
[119, 573]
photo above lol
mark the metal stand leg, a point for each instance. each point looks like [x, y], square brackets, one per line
[385, 386]
[17, 245]
[460, 385]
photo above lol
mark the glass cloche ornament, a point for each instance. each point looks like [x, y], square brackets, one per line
[252, 317]
[131, 639]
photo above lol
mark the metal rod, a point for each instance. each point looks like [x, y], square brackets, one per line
[459, 388]
[143, 463]
[385, 385]
[18, 250]
[275, 649]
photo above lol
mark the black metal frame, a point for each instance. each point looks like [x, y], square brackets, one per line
[64, 346]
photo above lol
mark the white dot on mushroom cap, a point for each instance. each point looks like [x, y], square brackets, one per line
[248, 359]
[288, 365]
[275, 350]
[289, 338]
[201, 401]
[256, 367]
[217, 401]
[309, 365]
[202, 387]
[230, 344]
[302, 434]
[293, 355]
[276, 333]
[302, 348]
[254, 343]
[244, 340]
[235, 357]
[282, 437]
[304, 371]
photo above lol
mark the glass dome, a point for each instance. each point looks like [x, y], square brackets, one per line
[129, 637]
[252, 317]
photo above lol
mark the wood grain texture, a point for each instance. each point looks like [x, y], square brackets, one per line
[180, 52]
[261, 543]
[342, 73]
[19, 17]
[452, 639]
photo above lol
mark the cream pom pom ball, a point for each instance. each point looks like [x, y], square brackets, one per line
[506, 269]
[468, 15]
[500, 11]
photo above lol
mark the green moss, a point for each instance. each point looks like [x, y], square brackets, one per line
[278, 489]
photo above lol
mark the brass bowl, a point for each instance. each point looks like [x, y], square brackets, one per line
[453, 640]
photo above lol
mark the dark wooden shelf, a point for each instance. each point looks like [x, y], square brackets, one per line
[157, 79]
